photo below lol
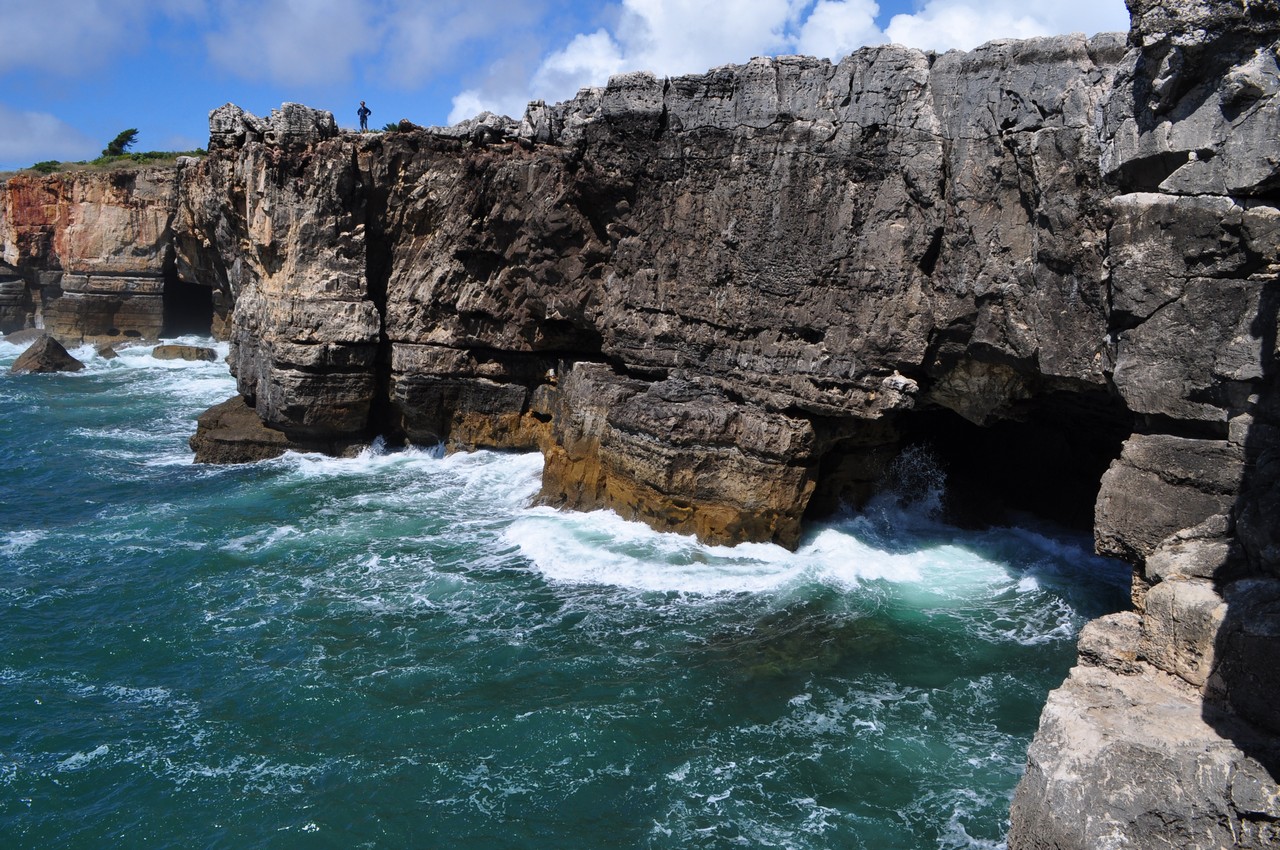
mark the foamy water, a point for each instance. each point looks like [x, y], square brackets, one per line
[400, 650]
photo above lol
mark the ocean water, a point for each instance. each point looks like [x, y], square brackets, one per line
[396, 650]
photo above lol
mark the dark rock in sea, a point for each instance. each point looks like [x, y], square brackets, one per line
[232, 432]
[46, 354]
[184, 352]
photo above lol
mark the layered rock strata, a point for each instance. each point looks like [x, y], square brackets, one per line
[718, 302]
[764, 268]
[1166, 734]
[88, 256]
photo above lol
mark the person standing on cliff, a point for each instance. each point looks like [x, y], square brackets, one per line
[364, 112]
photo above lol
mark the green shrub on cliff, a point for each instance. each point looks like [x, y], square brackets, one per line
[121, 143]
[116, 161]
[145, 156]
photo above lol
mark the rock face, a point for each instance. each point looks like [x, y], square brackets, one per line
[723, 302]
[767, 270]
[89, 256]
[45, 355]
[1128, 756]
[1166, 735]
[184, 352]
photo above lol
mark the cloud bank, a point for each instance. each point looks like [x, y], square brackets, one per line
[671, 37]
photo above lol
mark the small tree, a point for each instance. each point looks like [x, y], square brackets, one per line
[121, 143]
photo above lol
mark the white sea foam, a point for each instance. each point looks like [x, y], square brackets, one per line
[262, 539]
[184, 381]
[17, 542]
[602, 548]
[497, 484]
[76, 761]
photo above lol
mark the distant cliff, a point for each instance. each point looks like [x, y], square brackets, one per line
[724, 302]
[90, 256]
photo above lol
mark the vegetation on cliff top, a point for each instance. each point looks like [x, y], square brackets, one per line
[110, 163]
[114, 157]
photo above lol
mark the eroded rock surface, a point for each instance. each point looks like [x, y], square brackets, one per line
[767, 267]
[173, 351]
[89, 255]
[1126, 757]
[46, 354]
[719, 302]
[1163, 736]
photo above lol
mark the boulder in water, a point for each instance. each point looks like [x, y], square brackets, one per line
[45, 355]
[184, 352]
[232, 432]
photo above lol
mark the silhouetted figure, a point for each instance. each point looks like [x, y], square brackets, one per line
[364, 112]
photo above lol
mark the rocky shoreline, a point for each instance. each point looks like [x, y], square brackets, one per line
[723, 303]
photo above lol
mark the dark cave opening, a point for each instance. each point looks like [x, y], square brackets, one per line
[1047, 463]
[188, 307]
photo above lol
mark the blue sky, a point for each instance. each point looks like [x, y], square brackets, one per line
[73, 73]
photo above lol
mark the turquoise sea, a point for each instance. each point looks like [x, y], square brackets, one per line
[397, 650]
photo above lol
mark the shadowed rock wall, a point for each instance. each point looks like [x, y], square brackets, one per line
[1165, 735]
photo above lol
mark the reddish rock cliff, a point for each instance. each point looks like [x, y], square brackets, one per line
[89, 255]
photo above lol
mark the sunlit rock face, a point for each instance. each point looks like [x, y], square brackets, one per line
[724, 302]
[86, 253]
[768, 269]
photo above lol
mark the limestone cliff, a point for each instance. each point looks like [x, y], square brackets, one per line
[89, 256]
[722, 302]
[775, 273]
[1166, 734]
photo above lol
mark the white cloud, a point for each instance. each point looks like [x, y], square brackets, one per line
[946, 25]
[663, 36]
[67, 37]
[670, 37]
[471, 102]
[836, 28]
[685, 36]
[585, 61]
[29, 137]
[965, 24]
[422, 39]
[292, 41]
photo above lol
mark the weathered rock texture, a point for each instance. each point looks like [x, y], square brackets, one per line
[1147, 762]
[764, 270]
[184, 352]
[717, 302]
[1166, 734]
[89, 256]
[46, 354]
